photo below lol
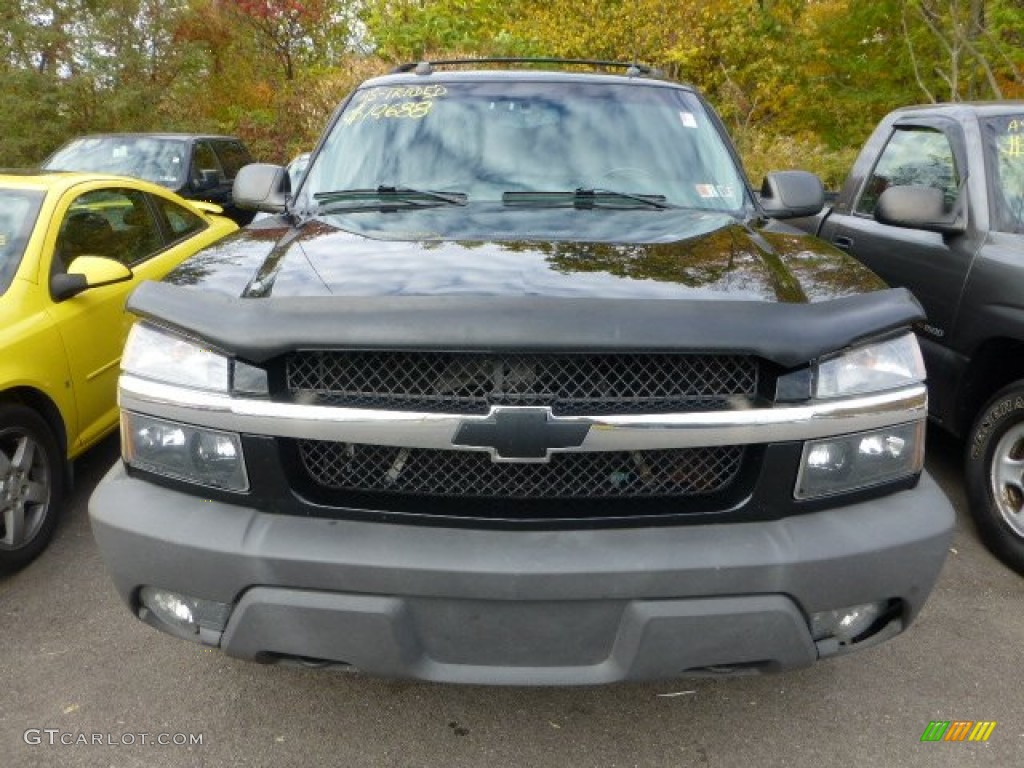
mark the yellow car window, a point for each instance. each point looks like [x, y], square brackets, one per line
[116, 223]
[18, 211]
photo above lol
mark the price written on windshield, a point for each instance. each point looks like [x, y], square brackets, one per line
[412, 102]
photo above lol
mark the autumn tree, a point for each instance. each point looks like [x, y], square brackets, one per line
[963, 49]
[298, 32]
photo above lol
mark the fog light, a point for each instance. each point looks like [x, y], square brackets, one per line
[198, 455]
[846, 624]
[184, 613]
[216, 456]
[861, 460]
[827, 457]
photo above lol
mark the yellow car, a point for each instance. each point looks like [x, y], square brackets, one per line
[72, 247]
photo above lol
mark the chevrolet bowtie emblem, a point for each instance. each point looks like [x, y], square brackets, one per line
[520, 434]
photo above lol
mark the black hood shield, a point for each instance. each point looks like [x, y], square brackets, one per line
[788, 334]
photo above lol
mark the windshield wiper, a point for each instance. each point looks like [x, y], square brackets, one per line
[385, 194]
[585, 197]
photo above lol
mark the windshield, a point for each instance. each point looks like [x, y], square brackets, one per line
[1004, 147]
[160, 160]
[18, 211]
[296, 168]
[492, 140]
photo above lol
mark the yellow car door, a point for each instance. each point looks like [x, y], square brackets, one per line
[131, 226]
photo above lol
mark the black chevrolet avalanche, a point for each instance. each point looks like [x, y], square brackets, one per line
[524, 384]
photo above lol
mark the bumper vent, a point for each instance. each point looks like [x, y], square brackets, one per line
[681, 473]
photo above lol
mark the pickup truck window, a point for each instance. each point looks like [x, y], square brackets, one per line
[913, 156]
[486, 139]
[1004, 148]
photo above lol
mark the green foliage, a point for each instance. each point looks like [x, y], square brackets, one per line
[28, 131]
[405, 30]
[762, 153]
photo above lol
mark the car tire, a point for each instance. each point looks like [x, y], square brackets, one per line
[994, 474]
[32, 475]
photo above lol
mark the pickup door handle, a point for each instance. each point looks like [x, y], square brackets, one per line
[842, 242]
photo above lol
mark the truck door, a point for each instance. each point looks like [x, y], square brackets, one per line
[933, 266]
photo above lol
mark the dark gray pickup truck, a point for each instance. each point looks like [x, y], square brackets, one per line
[523, 385]
[935, 203]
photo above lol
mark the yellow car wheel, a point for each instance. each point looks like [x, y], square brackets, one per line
[31, 485]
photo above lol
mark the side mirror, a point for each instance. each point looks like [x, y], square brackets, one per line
[87, 272]
[792, 194]
[207, 180]
[261, 187]
[915, 207]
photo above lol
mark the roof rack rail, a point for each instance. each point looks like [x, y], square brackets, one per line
[633, 69]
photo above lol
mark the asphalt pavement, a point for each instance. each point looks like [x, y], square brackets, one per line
[83, 683]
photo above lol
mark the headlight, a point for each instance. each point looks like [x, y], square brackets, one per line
[207, 457]
[861, 460]
[153, 353]
[871, 368]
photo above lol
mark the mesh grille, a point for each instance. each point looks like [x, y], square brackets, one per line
[471, 383]
[637, 474]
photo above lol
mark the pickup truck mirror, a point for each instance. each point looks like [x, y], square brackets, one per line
[261, 187]
[792, 194]
[917, 207]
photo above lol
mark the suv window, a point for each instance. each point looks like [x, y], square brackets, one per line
[913, 156]
[486, 139]
[232, 157]
[205, 163]
[157, 159]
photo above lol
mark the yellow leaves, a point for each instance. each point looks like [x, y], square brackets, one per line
[262, 94]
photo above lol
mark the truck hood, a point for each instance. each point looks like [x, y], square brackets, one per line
[564, 280]
[483, 250]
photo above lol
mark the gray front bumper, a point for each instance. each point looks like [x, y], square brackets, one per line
[523, 607]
